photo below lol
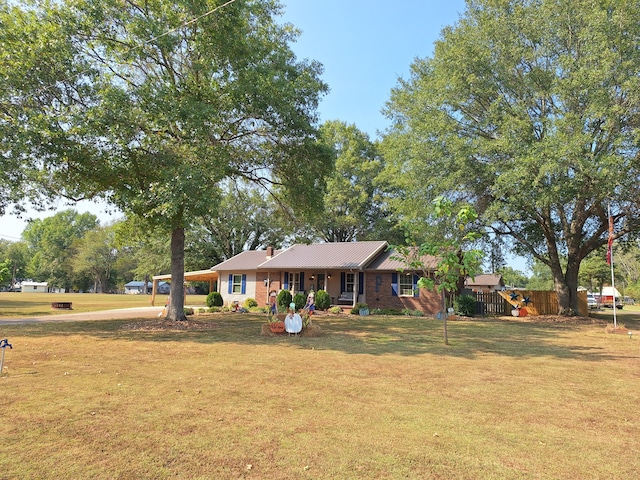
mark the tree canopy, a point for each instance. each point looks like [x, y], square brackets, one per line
[151, 105]
[51, 245]
[529, 109]
[354, 206]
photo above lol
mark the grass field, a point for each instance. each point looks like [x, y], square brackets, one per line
[372, 397]
[37, 304]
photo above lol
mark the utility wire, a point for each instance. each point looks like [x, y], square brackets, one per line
[10, 237]
[185, 24]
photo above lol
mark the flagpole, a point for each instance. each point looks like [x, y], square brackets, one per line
[613, 287]
[613, 284]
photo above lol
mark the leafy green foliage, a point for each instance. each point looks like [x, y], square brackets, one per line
[242, 217]
[96, 257]
[52, 243]
[153, 110]
[513, 277]
[529, 111]
[300, 300]
[454, 259]
[322, 300]
[250, 303]
[359, 306]
[284, 299]
[214, 299]
[5, 271]
[353, 207]
[17, 255]
[465, 305]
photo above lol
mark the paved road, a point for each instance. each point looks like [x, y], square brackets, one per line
[122, 313]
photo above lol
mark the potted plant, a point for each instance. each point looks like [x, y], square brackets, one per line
[363, 309]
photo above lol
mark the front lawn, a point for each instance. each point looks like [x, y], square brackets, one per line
[372, 397]
[38, 304]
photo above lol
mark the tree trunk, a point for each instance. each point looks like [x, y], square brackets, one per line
[566, 287]
[175, 312]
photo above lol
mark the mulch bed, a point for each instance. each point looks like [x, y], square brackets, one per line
[159, 325]
[555, 319]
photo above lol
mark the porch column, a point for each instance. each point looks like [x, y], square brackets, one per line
[356, 288]
[154, 289]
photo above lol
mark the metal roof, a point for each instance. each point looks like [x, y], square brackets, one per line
[343, 255]
[247, 260]
[386, 262]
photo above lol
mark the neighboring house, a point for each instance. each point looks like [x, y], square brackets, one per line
[485, 283]
[136, 287]
[351, 272]
[35, 287]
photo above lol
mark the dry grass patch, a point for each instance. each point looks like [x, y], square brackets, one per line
[372, 397]
[37, 304]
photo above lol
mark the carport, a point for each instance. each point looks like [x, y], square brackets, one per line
[210, 276]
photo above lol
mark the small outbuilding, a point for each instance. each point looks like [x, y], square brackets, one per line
[35, 287]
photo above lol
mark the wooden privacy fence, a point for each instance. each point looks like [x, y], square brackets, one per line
[540, 302]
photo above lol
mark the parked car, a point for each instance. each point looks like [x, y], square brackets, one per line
[592, 303]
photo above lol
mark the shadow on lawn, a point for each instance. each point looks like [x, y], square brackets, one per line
[372, 335]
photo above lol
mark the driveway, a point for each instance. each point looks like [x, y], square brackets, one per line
[121, 313]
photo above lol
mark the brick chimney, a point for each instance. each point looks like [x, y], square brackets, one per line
[269, 252]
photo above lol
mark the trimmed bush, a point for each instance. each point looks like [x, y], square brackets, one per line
[335, 310]
[465, 305]
[214, 299]
[188, 311]
[300, 300]
[250, 303]
[323, 300]
[284, 299]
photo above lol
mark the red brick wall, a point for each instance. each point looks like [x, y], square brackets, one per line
[379, 295]
[262, 291]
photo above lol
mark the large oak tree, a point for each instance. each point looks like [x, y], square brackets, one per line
[353, 202]
[530, 109]
[153, 104]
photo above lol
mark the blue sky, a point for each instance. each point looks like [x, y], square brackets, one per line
[364, 45]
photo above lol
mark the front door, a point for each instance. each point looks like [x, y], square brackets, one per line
[321, 283]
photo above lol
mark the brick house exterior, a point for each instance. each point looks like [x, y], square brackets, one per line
[354, 272]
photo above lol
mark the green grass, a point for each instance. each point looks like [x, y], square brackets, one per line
[373, 397]
[37, 304]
